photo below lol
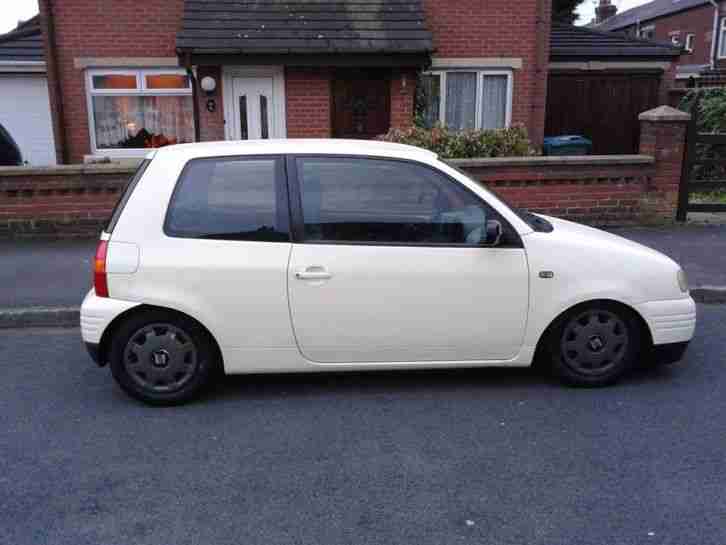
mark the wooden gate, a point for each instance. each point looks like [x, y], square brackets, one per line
[602, 106]
[704, 170]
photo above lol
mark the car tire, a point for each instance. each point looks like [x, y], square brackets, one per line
[594, 344]
[163, 358]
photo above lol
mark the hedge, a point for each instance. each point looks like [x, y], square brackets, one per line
[448, 144]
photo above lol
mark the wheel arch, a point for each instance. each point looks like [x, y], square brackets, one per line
[647, 339]
[105, 342]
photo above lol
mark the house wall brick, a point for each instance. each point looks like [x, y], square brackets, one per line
[104, 28]
[698, 21]
[403, 89]
[309, 100]
[211, 124]
[500, 28]
[464, 28]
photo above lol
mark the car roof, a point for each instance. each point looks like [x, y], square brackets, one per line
[293, 146]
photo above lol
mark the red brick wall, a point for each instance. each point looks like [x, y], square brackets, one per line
[67, 201]
[309, 98]
[500, 28]
[589, 193]
[602, 190]
[105, 28]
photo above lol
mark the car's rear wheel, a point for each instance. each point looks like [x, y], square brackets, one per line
[595, 344]
[162, 358]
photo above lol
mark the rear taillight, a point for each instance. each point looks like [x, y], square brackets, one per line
[100, 283]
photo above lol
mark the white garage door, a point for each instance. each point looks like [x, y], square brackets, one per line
[25, 113]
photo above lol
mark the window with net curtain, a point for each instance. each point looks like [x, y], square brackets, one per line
[141, 110]
[461, 90]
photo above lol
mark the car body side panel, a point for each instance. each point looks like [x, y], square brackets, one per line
[589, 264]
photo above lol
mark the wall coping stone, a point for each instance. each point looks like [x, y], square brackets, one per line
[554, 161]
[64, 170]
[665, 113]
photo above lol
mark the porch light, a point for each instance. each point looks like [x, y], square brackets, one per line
[208, 84]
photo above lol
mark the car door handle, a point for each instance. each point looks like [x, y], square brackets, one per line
[313, 273]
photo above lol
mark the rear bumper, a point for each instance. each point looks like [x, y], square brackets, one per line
[97, 313]
[93, 351]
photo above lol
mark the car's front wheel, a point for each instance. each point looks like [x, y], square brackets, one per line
[162, 358]
[595, 344]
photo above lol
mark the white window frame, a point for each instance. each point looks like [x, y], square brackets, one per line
[140, 90]
[690, 39]
[722, 40]
[480, 75]
[648, 28]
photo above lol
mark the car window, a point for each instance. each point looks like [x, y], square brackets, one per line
[386, 201]
[232, 199]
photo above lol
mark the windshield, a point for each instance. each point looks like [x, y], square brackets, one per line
[535, 222]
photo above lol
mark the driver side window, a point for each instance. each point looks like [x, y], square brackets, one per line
[371, 201]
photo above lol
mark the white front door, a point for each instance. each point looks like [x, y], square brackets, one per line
[253, 108]
[392, 268]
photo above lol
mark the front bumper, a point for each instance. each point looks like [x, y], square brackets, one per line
[668, 353]
[671, 321]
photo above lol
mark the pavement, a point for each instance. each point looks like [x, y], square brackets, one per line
[42, 283]
[45, 272]
[499, 457]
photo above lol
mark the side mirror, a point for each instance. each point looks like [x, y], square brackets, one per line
[493, 233]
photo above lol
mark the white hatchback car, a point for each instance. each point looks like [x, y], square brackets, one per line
[317, 255]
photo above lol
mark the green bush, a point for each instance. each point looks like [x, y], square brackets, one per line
[711, 108]
[448, 144]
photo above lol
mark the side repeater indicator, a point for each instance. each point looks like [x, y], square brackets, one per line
[546, 274]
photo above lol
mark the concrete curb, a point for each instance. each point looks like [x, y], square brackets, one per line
[709, 295]
[13, 318]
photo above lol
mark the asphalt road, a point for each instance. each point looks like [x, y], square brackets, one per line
[425, 458]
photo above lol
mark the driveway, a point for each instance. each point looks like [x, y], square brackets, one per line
[424, 458]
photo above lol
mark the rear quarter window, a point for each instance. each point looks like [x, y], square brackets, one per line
[128, 190]
[231, 198]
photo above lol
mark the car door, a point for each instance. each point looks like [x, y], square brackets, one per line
[389, 266]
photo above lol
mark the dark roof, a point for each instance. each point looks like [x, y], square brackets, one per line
[281, 27]
[24, 43]
[568, 42]
[646, 12]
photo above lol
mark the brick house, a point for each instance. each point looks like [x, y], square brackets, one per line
[124, 78]
[698, 26]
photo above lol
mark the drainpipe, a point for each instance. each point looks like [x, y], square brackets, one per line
[195, 94]
[714, 37]
[48, 28]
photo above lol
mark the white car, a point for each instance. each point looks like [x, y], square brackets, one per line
[316, 255]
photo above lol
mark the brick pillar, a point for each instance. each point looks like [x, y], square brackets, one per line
[403, 88]
[663, 136]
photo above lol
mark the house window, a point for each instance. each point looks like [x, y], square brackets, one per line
[690, 39]
[133, 110]
[647, 32]
[466, 99]
[676, 38]
[722, 40]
